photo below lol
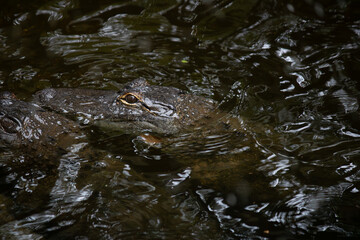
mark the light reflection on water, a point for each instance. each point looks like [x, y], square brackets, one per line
[284, 72]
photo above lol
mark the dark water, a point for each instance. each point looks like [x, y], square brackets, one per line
[290, 69]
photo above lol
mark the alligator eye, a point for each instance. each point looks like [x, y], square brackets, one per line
[130, 99]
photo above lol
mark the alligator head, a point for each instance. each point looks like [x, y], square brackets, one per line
[137, 106]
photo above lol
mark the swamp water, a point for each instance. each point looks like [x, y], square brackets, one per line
[286, 71]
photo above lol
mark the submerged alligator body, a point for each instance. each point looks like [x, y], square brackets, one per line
[49, 117]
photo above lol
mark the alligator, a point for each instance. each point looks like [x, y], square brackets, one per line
[188, 125]
[51, 117]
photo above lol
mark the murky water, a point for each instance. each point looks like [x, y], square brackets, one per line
[285, 71]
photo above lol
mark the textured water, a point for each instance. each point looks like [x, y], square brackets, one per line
[286, 71]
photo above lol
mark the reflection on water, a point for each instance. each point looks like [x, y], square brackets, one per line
[284, 73]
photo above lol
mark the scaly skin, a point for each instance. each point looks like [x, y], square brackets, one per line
[137, 107]
[165, 110]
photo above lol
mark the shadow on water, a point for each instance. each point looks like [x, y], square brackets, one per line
[279, 161]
